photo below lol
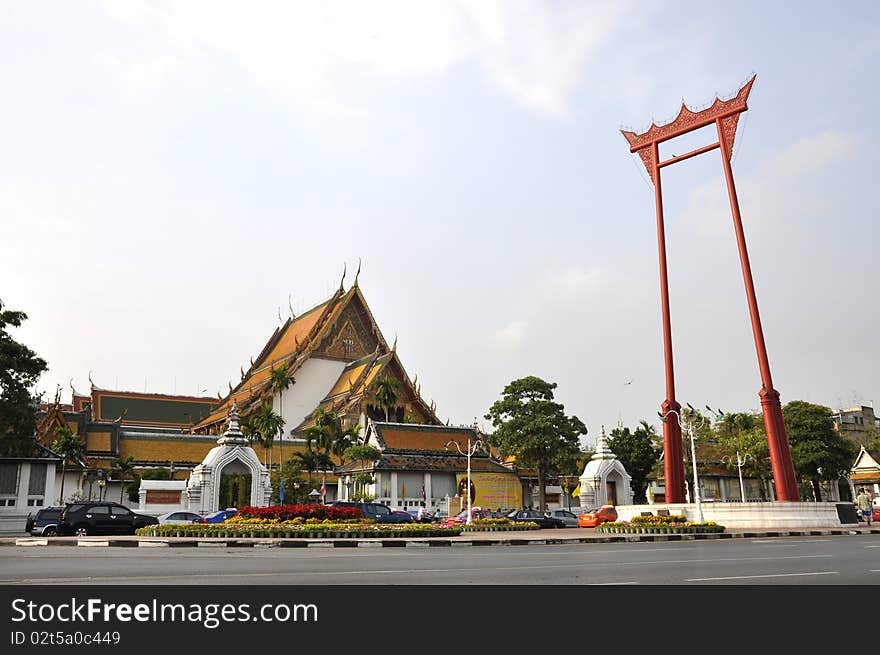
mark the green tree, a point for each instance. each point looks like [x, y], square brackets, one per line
[874, 447]
[817, 449]
[741, 434]
[364, 454]
[294, 483]
[281, 379]
[329, 436]
[385, 392]
[265, 424]
[638, 451]
[122, 467]
[71, 448]
[532, 427]
[20, 369]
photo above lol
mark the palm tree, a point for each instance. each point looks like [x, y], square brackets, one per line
[280, 379]
[122, 466]
[70, 447]
[306, 460]
[385, 391]
[266, 423]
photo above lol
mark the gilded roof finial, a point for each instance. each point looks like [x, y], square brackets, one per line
[280, 320]
[230, 386]
[219, 397]
[394, 345]
[342, 281]
[241, 368]
[91, 382]
[252, 361]
[290, 307]
[358, 273]
[72, 390]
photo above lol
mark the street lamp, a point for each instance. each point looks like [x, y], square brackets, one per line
[471, 449]
[690, 426]
[740, 462]
[102, 481]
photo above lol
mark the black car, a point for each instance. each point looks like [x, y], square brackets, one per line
[44, 523]
[83, 519]
[534, 516]
[377, 511]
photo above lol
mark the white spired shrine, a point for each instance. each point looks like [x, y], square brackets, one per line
[604, 480]
[232, 463]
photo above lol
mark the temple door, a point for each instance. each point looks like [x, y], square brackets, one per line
[611, 492]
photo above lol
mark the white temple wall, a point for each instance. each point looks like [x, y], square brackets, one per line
[313, 380]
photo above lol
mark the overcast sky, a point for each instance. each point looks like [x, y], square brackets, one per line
[171, 172]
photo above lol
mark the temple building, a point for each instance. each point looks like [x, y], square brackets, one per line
[336, 355]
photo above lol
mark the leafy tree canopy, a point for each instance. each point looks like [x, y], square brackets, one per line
[20, 369]
[532, 427]
[817, 450]
[638, 451]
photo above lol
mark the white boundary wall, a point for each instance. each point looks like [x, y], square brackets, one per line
[749, 515]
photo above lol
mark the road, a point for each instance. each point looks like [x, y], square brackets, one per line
[825, 560]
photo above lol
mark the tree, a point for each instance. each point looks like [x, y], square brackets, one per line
[122, 467]
[328, 434]
[817, 449]
[265, 424]
[638, 452]
[364, 454]
[741, 434]
[385, 392]
[294, 482]
[280, 379]
[20, 369]
[70, 447]
[530, 426]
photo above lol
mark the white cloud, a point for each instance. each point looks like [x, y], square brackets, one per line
[302, 53]
[777, 192]
[511, 336]
[574, 283]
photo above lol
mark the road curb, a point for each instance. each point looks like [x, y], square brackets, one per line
[431, 542]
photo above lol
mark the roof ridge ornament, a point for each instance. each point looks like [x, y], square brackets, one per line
[354, 286]
[290, 307]
[342, 281]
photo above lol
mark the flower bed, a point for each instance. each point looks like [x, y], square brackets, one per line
[319, 530]
[289, 512]
[497, 525]
[662, 527]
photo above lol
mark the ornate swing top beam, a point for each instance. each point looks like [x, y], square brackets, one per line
[725, 113]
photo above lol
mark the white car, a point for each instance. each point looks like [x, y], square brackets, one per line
[178, 518]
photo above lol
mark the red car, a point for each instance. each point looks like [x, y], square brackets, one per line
[461, 517]
[595, 517]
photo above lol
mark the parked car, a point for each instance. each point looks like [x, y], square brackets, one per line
[534, 516]
[461, 517]
[217, 517]
[423, 515]
[597, 516]
[44, 523]
[177, 518]
[87, 518]
[401, 516]
[569, 518]
[377, 511]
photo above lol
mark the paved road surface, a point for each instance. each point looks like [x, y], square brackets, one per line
[829, 560]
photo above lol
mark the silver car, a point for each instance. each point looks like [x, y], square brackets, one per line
[569, 518]
[178, 518]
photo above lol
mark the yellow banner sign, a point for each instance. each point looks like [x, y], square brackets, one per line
[491, 490]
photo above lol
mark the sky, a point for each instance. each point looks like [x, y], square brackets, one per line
[172, 174]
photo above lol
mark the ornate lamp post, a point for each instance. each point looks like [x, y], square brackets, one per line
[690, 424]
[102, 482]
[740, 462]
[471, 449]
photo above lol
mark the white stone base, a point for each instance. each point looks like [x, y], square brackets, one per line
[749, 515]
